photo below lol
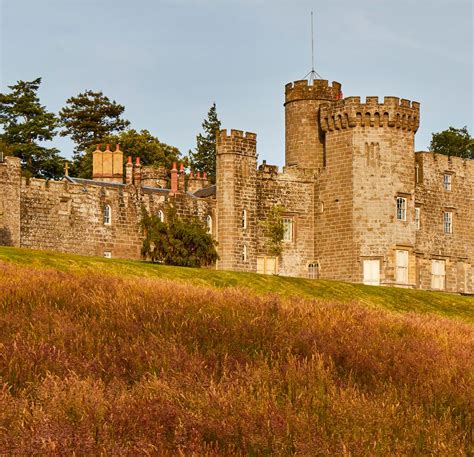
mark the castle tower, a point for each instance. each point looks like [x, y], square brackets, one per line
[107, 165]
[304, 138]
[236, 189]
[370, 166]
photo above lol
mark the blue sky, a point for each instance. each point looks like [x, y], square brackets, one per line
[167, 61]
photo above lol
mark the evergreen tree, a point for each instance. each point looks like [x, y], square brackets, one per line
[204, 157]
[88, 119]
[453, 142]
[26, 124]
[178, 241]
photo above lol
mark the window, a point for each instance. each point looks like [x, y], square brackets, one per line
[244, 253]
[288, 229]
[161, 215]
[313, 270]
[402, 267]
[401, 209]
[417, 218]
[107, 215]
[244, 219]
[448, 222]
[417, 173]
[371, 272]
[209, 224]
[438, 274]
[107, 254]
[447, 182]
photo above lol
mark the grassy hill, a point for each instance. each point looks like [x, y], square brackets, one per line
[395, 299]
[110, 357]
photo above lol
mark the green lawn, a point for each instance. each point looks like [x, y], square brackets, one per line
[395, 299]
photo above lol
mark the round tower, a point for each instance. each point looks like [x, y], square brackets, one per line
[304, 138]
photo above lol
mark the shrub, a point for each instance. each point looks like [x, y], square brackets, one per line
[183, 242]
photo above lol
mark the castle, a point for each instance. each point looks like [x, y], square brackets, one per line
[359, 204]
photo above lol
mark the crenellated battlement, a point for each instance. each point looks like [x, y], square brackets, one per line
[240, 134]
[350, 112]
[319, 90]
[237, 142]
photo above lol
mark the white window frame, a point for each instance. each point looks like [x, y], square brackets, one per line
[209, 224]
[107, 215]
[447, 182]
[417, 217]
[401, 209]
[448, 222]
[402, 262]
[288, 229]
[161, 215]
[244, 219]
[438, 274]
[244, 253]
[107, 254]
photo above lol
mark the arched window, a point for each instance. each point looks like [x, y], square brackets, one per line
[161, 216]
[107, 215]
[209, 224]
[244, 253]
[244, 219]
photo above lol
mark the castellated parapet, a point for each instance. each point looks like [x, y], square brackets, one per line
[304, 139]
[350, 112]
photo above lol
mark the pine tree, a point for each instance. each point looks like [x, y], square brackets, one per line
[26, 125]
[88, 118]
[204, 157]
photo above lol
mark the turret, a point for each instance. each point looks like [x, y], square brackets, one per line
[236, 190]
[304, 138]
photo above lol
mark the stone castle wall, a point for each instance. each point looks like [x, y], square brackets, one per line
[10, 202]
[66, 216]
[456, 248]
[294, 191]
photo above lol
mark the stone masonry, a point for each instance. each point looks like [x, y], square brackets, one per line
[358, 203]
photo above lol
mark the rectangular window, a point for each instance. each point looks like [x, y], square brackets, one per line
[107, 254]
[371, 271]
[447, 182]
[313, 270]
[448, 222]
[438, 274]
[244, 253]
[417, 218]
[288, 229]
[401, 209]
[402, 267]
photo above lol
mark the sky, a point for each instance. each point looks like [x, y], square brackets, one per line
[167, 61]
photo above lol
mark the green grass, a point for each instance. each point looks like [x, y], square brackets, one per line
[394, 299]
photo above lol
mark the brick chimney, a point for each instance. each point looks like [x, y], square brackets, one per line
[137, 173]
[174, 179]
[129, 171]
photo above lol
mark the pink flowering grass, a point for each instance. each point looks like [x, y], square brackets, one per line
[99, 364]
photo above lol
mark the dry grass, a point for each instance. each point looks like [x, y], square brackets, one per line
[98, 364]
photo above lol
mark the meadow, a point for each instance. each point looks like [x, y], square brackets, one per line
[124, 358]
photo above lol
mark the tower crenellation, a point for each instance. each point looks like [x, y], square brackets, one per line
[351, 112]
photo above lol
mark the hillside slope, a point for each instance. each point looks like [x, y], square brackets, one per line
[108, 364]
[396, 299]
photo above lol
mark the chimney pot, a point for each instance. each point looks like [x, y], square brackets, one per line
[107, 147]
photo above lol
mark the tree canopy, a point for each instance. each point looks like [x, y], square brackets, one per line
[178, 241]
[453, 142]
[89, 117]
[26, 125]
[204, 156]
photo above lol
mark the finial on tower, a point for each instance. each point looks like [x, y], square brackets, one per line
[313, 74]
